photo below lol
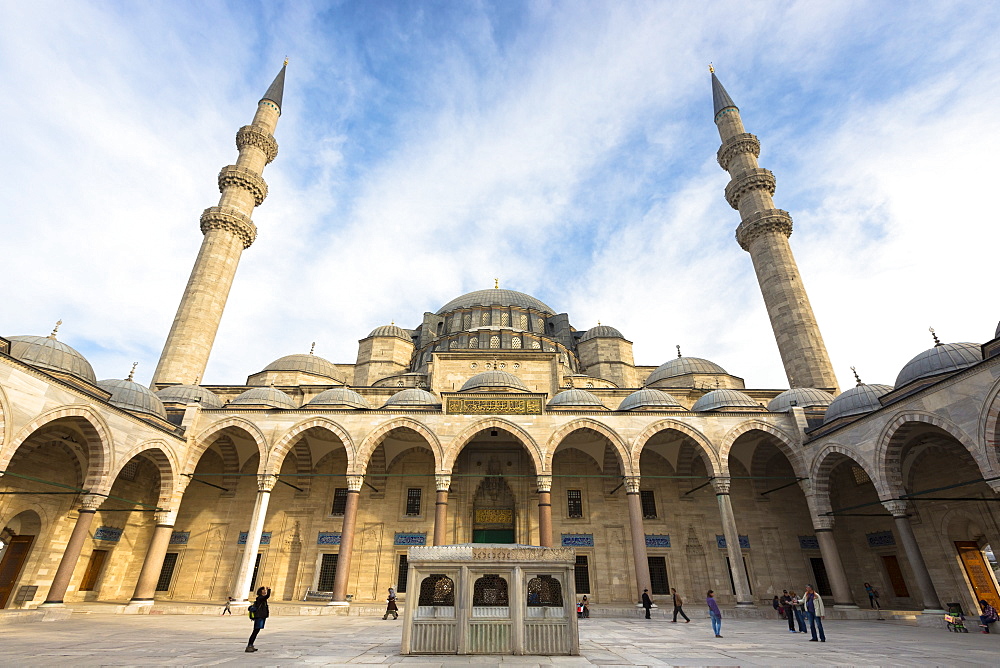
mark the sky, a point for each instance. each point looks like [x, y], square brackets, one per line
[566, 148]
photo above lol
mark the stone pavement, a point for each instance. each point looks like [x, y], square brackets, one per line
[197, 640]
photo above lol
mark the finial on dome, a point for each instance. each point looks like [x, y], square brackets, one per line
[312, 348]
[856, 376]
[711, 69]
[392, 322]
[197, 380]
[55, 329]
[131, 373]
[937, 341]
[496, 283]
[286, 62]
[598, 323]
[679, 351]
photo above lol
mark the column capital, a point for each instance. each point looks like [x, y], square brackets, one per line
[721, 485]
[632, 483]
[823, 522]
[897, 507]
[442, 482]
[165, 517]
[91, 502]
[266, 482]
[544, 483]
[354, 482]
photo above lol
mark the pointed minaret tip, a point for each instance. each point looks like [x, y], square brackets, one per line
[720, 98]
[277, 88]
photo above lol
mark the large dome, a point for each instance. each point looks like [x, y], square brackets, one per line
[576, 397]
[264, 396]
[801, 397]
[681, 366]
[490, 379]
[133, 397]
[601, 332]
[647, 397]
[719, 399]
[306, 363]
[45, 352]
[495, 297]
[189, 394]
[339, 396]
[856, 401]
[413, 397]
[939, 359]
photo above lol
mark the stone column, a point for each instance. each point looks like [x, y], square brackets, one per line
[354, 483]
[638, 535]
[241, 588]
[443, 484]
[914, 556]
[545, 510]
[842, 597]
[88, 507]
[743, 595]
[145, 588]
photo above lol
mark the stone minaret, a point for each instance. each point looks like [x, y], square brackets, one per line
[764, 233]
[228, 231]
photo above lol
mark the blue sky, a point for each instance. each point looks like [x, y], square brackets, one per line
[565, 147]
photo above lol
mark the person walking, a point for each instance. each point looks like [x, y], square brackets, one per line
[786, 604]
[229, 602]
[678, 610]
[647, 602]
[390, 605]
[259, 614]
[814, 608]
[872, 594]
[714, 613]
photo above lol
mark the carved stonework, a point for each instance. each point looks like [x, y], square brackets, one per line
[91, 501]
[752, 179]
[265, 483]
[762, 222]
[721, 485]
[249, 135]
[241, 177]
[354, 482]
[165, 517]
[231, 220]
[742, 143]
[442, 482]
[544, 483]
[632, 484]
[897, 508]
[476, 551]
[823, 522]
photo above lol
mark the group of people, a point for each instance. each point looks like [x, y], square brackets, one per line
[799, 609]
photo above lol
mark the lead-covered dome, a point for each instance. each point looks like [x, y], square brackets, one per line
[801, 397]
[495, 297]
[391, 330]
[45, 352]
[856, 401]
[720, 399]
[939, 359]
[413, 396]
[491, 379]
[647, 397]
[189, 394]
[271, 397]
[339, 396]
[576, 397]
[601, 332]
[305, 363]
[132, 396]
[681, 366]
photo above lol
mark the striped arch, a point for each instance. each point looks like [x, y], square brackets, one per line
[303, 466]
[205, 439]
[889, 451]
[230, 464]
[823, 464]
[617, 442]
[702, 445]
[459, 442]
[377, 435]
[78, 456]
[398, 458]
[156, 451]
[4, 411]
[785, 443]
[100, 444]
[291, 437]
[989, 429]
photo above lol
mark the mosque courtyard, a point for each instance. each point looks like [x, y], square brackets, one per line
[200, 640]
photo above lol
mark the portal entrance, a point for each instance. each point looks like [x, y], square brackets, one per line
[978, 571]
[16, 540]
[493, 507]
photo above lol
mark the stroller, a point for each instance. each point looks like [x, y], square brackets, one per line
[955, 619]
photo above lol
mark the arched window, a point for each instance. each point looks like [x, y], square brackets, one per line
[544, 590]
[490, 590]
[474, 342]
[468, 320]
[535, 345]
[522, 321]
[539, 325]
[504, 319]
[440, 327]
[494, 341]
[486, 317]
[515, 342]
[437, 590]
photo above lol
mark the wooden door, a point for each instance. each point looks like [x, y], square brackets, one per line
[10, 567]
[978, 571]
[895, 574]
[94, 568]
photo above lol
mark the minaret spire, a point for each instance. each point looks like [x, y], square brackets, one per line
[228, 231]
[764, 232]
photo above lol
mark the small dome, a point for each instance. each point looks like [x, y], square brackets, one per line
[647, 397]
[413, 397]
[306, 363]
[856, 401]
[601, 332]
[939, 359]
[133, 397]
[681, 366]
[718, 399]
[45, 352]
[339, 396]
[264, 396]
[802, 397]
[488, 379]
[391, 330]
[575, 397]
[495, 297]
[189, 394]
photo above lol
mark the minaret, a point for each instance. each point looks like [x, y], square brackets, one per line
[764, 233]
[228, 231]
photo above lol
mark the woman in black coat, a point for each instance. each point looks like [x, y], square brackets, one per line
[260, 615]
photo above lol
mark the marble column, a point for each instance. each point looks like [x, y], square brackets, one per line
[842, 597]
[145, 588]
[88, 507]
[545, 510]
[736, 567]
[241, 588]
[913, 555]
[443, 484]
[638, 531]
[354, 483]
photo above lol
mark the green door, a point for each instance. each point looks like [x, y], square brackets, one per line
[493, 536]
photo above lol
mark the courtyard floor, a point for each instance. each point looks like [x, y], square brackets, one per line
[199, 640]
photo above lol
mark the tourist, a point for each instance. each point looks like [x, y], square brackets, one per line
[678, 610]
[814, 608]
[714, 613]
[872, 594]
[585, 605]
[988, 617]
[390, 605]
[777, 607]
[798, 611]
[647, 602]
[258, 613]
[229, 602]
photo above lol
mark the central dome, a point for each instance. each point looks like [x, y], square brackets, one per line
[495, 297]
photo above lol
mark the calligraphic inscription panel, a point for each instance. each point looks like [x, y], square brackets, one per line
[494, 516]
[494, 406]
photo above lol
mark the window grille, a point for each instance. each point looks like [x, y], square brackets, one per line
[404, 568]
[581, 575]
[413, 502]
[166, 571]
[544, 590]
[468, 320]
[437, 590]
[860, 475]
[486, 318]
[327, 572]
[658, 575]
[504, 319]
[574, 503]
[648, 504]
[515, 342]
[130, 471]
[494, 342]
[474, 342]
[339, 501]
[490, 590]
[522, 321]
[539, 325]
[535, 345]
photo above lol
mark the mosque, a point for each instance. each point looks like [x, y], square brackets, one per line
[495, 420]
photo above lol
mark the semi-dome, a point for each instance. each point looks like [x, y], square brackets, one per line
[189, 394]
[45, 352]
[856, 401]
[132, 396]
[802, 397]
[264, 396]
[719, 399]
[575, 397]
[413, 396]
[339, 396]
[495, 297]
[391, 330]
[601, 332]
[939, 359]
[305, 363]
[683, 365]
[647, 397]
[489, 379]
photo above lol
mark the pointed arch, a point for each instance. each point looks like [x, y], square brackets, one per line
[204, 440]
[989, 428]
[785, 443]
[375, 437]
[459, 442]
[823, 464]
[157, 452]
[100, 444]
[618, 444]
[289, 439]
[703, 445]
[4, 412]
